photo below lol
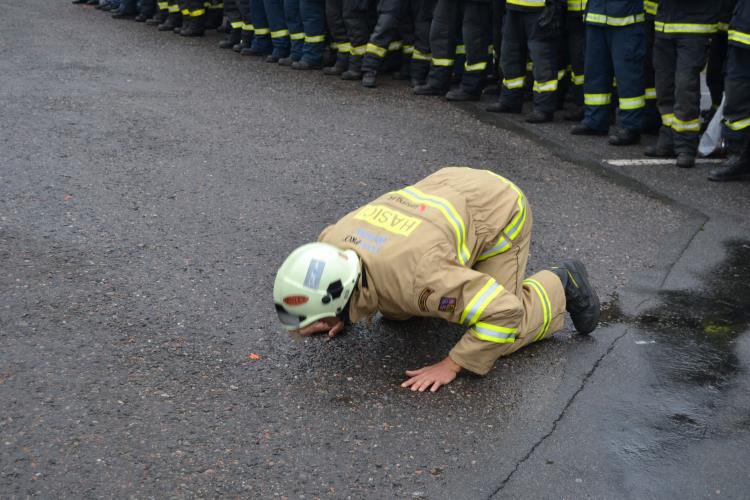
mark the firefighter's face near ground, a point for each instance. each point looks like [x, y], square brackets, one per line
[332, 326]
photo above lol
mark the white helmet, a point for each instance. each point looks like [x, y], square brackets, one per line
[313, 283]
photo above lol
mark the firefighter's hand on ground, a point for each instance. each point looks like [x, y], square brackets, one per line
[332, 326]
[436, 375]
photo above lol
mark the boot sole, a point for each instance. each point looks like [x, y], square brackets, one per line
[584, 279]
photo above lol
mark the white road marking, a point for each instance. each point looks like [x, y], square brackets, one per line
[655, 161]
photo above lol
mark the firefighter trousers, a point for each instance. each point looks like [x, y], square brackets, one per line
[524, 38]
[359, 16]
[337, 28]
[678, 62]
[305, 20]
[737, 94]
[614, 52]
[651, 117]
[232, 13]
[422, 55]
[384, 35]
[541, 295]
[475, 28]
[576, 43]
[271, 33]
[716, 69]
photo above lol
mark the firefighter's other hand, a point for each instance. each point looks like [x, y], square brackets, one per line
[436, 375]
[332, 326]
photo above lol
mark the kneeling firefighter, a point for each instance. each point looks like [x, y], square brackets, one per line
[453, 246]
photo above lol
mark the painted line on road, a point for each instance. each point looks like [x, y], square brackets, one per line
[656, 161]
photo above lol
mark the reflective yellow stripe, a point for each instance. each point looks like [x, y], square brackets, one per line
[359, 50]
[279, 33]
[185, 12]
[632, 102]
[449, 212]
[701, 29]
[394, 46]
[212, 6]
[546, 308]
[739, 37]
[576, 5]
[490, 49]
[650, 93]
[296, 36]
[597, 99]
[198, 12]
[173, 8]
[262, 31]
[513, 229]
[514, 83]
[236, 24]
[460, 49]
[723, 26]
[594, 18]
[561, 74]
[248, 27]
[550, 86]
[315, 39]
[667, 119]
[577, 79]
[374, 49]
[442, 62]
[407, 49]
[529, 66]
[527, 3]
[163, 5]
[686, 126]
[738, 125]
[650, 6]
[421, 56]
[480, 66]
[473, 311]
[345, 47]
[494, 333]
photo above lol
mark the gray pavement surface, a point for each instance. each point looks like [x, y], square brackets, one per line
[149, 187]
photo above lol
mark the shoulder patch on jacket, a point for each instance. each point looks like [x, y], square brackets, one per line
[447, 304]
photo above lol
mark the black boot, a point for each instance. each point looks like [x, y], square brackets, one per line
[427, 89]
[246, 37]
[355, 69]
[501, 107]
[339, 67]
[196, 26]
[664, 147]
[370, 79]
[685, 160]
[174, 20]
[404, 72]
[624, 137]
[159, 18]
[581, 300]
[461, 95]
[735, 168]
[582, 129]
[230, 39]
[304, 65]
[539, 117]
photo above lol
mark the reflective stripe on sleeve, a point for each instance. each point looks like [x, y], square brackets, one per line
[394, 46]
[315, 39]
[359, 50]
[546, 308]
[185, 12]
[597, 99]
[297, 36]
[723, 27]
[686, 126]
[514, 83]
[421, 56]
[173, 8]
[476, 306]
[688, 28]
[594, 18]
[667, 119]
[650, 93]
[407, 49]
[248, 27]
[449, 212]
[561, 74]
[577, 79]
[163, 5]
[576, 5]
[262, 31]
[279, 33]
[494, 333]
[345, 47]
[650, 6]
[197, 12]
[236, 25]
[738, 125]
[460, 49]
[374, 49]
[739, 37]
[632, 102]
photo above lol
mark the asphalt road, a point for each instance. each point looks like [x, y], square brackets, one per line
[149, 187]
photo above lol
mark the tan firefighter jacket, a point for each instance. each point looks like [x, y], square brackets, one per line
[418, 247]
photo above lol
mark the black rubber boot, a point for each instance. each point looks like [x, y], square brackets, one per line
[196, 26]
[539, 117]
[370, 79]
[159, 18]
[355, 69]
[304, 65]
[735, 168]
[174, 20]
[461, 95]
[230, 39]
[581, 300]
[664, 147]
[582, 129]
[427, 89]
[246, 38]
[624, 137]
[338, 68]
[499, 107]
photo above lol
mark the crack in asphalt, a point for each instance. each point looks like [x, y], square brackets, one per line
[585, 380]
